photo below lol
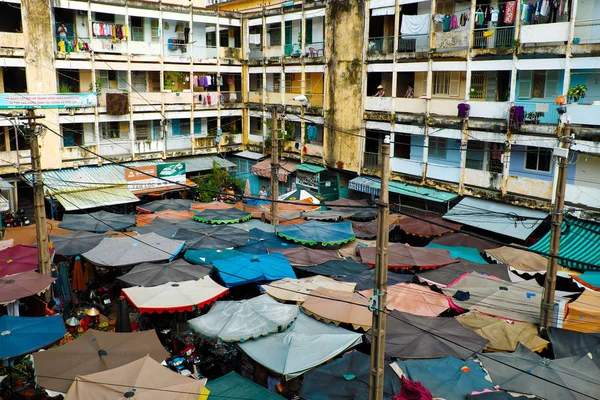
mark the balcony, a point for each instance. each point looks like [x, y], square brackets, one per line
[381, 104]
[453, 40]
[12, 40]
[379, 46]
[493, 37]
[443, 172]
[231, 98]
[230, 52]
[584, 114]
[204, 52]
[547, 107]
[115, 147]
[489, 109]
[410, 106]
[73, 153]
[372, 161]
[529, 187]
[587, 31]
[256, 54]
[273, 97]
[148, 146]
[545, 33]
[145, 48]
[315, 49]
[474, 176]
[179, 142]
[448, 107]
[587, 196]
[255, 97]
[413, 43]
[406, 166]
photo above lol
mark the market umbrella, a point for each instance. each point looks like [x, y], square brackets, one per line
[167, 227]
[167, 204]
[518, 301]
[229, 216]
[22, 335]
[449, 378]
[337, 268]
[250, 268]
[583, 314]
[238, 321]
[303, 256]
[317, 232]
[413, 299]
[347, 378]
[503, 335]
[328, 215]
[212, 237]
[175, 296]
[260, 241]
[345, 204]
[413, 336]
[303, 346]
[526, 372]
[126, 251]
[366, 279]
[99, 222]
[150, 274]
[365, 230]
[142, 379]
[215, 205]
[75, 243]
[429, 225]
[145, 219]
[445, 275]
[21, 285]
[521, 260]
[254, 224]
[464, 240]
[404, 256]
[123, 324]
[235, 386]
[19, 258]
[94, 351]
[466, 253]
[208, 256]
[298, 290]
[338, 307]
[568, 343]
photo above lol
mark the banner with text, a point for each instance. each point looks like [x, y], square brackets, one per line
[156, 176]
[24, 100]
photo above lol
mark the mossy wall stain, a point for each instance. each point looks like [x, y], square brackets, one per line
[345, 30]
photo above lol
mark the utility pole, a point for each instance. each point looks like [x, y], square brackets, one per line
[274, 169]
[381, 278]
[547, 309]
[39, 208]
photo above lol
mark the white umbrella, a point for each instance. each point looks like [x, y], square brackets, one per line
[298, 290]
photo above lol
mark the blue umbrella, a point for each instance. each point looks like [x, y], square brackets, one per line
[467, 253]
[251, 268]
[316, 232]
[23, 335]
[260, 241]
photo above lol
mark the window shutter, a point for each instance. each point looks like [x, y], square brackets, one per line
[197, 126]
[309, 31]
[454, 90]
[525, 84]
[175, 127]
[552, 83]
[122, 80]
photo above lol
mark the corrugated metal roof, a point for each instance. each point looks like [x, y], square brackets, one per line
[494, 216]
[203, 163]
[579, 241]
[95, 197]
[315, 169]
[373, 185]
[251, 155]
[286, 167]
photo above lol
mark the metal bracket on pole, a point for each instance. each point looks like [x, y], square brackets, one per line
[374, 302]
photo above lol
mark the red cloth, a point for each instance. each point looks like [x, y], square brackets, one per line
[413, 391]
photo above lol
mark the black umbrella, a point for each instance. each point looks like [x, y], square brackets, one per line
[445, 275]
[212, 237]
[99, 222]
[337, 268]
[150, 274]
[366, 279]
[75, 243]
[167, 204]
[166, 227]
[226, 216]
[260, 241]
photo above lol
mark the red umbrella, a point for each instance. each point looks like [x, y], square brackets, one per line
[404, 256]
[18, 259]
[17, 286]
[419, 227]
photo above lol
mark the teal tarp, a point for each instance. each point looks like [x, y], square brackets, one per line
[467, 253]
[234, 386]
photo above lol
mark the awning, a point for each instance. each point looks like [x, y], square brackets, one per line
[371, 185]
[4, 204]
[95, 197]
[505, 219]
[204, 163]
[312, 168]
[383, 11]
[286, 167]
[579, 242]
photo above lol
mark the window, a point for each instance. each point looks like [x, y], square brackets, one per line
[180, 127]
[104, 17]
[224, 37]
[138, 81]
[402, 145]
[437, 147]
[478, 85]
[72, 135]
[446, 83]
[111, 130]
[538, 159]
[137, 29]
[274, 34]
[309, 31]
[10, 17]
[538, 84]
[121, 77]
[143, 130]
[256, 82]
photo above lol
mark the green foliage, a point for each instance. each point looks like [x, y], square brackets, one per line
[534, 116]
[210, 185]
[173, 79]
[577, 92]
[287, 134]
[64, 88]
[98, 87]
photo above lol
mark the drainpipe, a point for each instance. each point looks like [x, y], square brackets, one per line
[302, 80]
[428, 92]
[190, 52]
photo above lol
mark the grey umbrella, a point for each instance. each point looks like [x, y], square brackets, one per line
[212, 237]
[444, 276]
[366, 279]
[75, 243]
[524, 371]
[167, 204]
[150, 274]
[166, 227]
[337, 268]
[566, 343]
[99, 222]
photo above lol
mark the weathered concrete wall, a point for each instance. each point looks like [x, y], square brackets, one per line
[343, 111]
[41, 79]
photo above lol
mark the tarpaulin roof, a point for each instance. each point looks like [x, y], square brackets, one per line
[21, 285]
[286, 167]
[466, 253]
[92, 352]
[518, 301]
[143, 379]
[303, 346]
[299, 195]
[526, 372]
[337, 268]
[150, 274]
[99, 221]
[344, 378]
[366, 279]
[430, 227]
[298, 290]
[521, 260]
[302, 256]
[338, 307]
[208, 256]
[212, 237]
[213, 205]
[22, 335]
[404, 256]
[445, 275]
[567, 343]
[462, 239]
[234, 386]
[238, 321]
[167, 204]
[496, 217]
[18, 259]
[413, 299]
[341, 202]
[315, 169]
[95, 196]
[316, 232]
[249, 268]
[413, 336]
[126, 251]
[583, 314]
[75, 243]
[229, 216]
[367, 184]
[260, 241]
[175, 296]
[449, 378]
[578, 242]
[589, 279]
[503, 335]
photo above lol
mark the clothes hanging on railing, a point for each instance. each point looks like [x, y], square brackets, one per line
[463, 110]
[510, 12]
[254, 38]
[517, 116]
[415, 24]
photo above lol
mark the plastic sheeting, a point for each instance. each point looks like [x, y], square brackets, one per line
[298, 290]
[338, 307]
[366, 280]
[583, 315]
[235, 321]
[466, 253]
[251, 268]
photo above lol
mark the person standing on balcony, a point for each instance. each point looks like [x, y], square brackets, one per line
[62, 37]
[380, 92]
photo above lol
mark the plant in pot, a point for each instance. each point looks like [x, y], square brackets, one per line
[576, 93]
[533, 117]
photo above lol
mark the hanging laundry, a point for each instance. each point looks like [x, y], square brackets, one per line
[219, 80]
[510, 12]
[438, 18]
[446, 24]
[415, 24]
[495, 16]
[454, 22]
[525, 13]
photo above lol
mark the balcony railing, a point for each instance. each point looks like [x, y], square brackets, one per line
[474, 164]
[493, 37]
[372, 160]
[137, 34]
[550, 114]
[315, 49]
[413, 43]
[587, 31]
[255, 54]
[292, 50]
[381, 45]
[231, 97]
